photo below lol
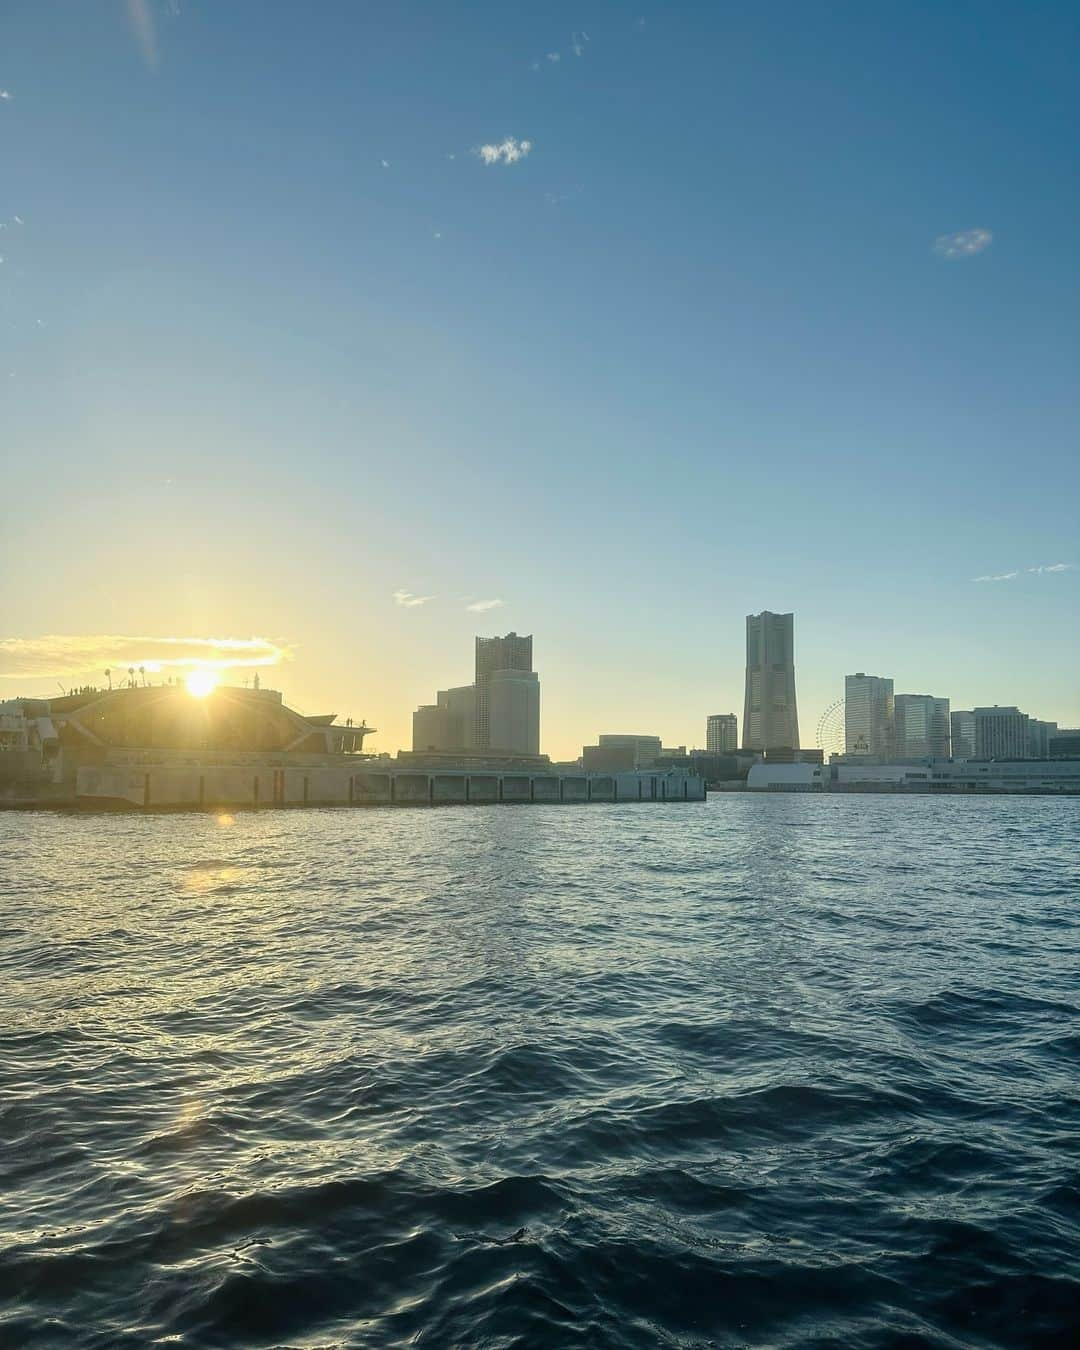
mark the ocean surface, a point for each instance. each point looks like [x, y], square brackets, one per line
[766, 1070]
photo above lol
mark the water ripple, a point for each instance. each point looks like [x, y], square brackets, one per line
[759, 1071]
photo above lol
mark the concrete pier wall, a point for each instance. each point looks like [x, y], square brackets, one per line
[208, 787]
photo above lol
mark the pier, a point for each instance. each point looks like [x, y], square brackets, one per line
[254, 786]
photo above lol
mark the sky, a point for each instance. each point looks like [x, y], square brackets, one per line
[346, 332]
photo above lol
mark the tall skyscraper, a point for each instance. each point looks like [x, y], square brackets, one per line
[514, 711]
[498, 653]
[963, 734]
[921, 727]
[868, 716]
[721, 733]
[770, 717]
[1001, 733]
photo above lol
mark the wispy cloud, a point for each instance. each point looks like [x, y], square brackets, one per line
[480, 606]
[142, 25]
[407, 600]
[505, 152]
[82, 654]
[5, 95]
[1044, 569]
[385, 163]
[577, 43]
[964, 244]
[554, 58]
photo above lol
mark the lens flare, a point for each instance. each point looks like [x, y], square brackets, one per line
[201, 682]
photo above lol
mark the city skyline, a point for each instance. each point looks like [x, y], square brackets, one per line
[460, 702]
[361, 357]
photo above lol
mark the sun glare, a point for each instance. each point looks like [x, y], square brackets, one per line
[201, 682]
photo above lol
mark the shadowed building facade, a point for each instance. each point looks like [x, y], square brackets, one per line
[962, 722]
[721, 734]
[499, 712]
[1001, 733]
[770, 716]
[923, 729]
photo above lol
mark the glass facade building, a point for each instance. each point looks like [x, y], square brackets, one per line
[868, 716]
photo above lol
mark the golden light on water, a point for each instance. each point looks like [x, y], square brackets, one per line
[200, 683]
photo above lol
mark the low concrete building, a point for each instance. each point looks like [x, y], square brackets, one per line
[94, 727]
[801, 776]
[615, 751]
[1039, 777]
[1065, 743]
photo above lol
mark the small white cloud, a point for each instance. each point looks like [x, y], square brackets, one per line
[506, 152]
[407, 600]
[437, 234]
[480, 606]
[18, 220]
[385, 163]
[577, 43]
[554, 58]
[965, 244]
[1001, 576]
[5, 95]
[1052, 567]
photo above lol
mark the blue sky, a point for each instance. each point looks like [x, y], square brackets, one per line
[277, 343]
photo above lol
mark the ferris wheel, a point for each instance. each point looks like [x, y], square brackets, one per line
[830, 729]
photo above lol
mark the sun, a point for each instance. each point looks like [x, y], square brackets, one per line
[201, 682]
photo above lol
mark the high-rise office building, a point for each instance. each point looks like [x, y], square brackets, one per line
[498, 653]
[1040, 734]
[1001, 733]
[514, 711]
[868, 716]
[963, 734]
[921, 728]
[449, 723]
[770, 717]
[721, 733]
